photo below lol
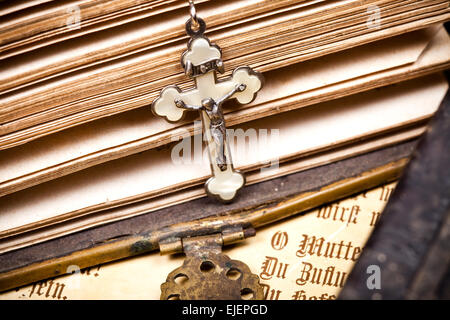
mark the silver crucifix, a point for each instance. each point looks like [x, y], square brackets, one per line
[201, 62]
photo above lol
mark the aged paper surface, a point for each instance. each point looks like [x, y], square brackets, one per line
[305, 257]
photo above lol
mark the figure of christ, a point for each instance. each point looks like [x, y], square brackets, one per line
[217, 122]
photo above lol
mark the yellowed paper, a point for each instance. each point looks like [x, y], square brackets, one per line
[280, 254]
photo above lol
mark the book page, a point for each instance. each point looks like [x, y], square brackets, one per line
[306, 257]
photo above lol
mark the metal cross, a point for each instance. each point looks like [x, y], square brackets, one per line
[201, 62]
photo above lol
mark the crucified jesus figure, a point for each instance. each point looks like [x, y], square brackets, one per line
[217, 122]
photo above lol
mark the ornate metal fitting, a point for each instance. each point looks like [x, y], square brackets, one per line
[208, 274]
